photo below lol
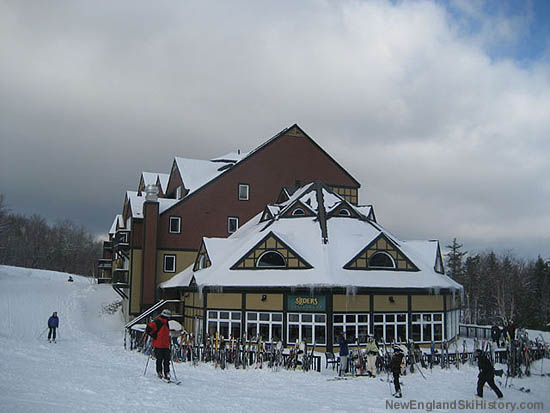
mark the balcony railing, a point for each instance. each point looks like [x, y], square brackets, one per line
[105, 263]
[120, 276]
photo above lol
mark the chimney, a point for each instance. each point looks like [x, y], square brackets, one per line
[151, 193]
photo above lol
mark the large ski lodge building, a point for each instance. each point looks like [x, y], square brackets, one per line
[274, 243]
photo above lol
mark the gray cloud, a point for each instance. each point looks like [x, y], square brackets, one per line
[445, 140]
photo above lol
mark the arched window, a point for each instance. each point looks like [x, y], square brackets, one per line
[202, 261]
[344, 212]
[271, 259]
[298, 211]
[381, 260]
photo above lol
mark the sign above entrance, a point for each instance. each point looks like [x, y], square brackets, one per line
[306, 303]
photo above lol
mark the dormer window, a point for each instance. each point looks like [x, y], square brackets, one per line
[175, 225]
[344, 212]
[381, 260]
[244, 192]
[271, 259]
[298, 212]
[202, 262]
[178, 192]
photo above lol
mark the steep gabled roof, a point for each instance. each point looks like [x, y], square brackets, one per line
[116, 222]
[304, 237]
[197, 174]
[136, 203]
[162, 180]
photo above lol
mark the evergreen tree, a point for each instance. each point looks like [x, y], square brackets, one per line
[455, 260]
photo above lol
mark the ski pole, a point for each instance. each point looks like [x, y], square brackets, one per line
[174, 369]
[42, 333]
[146, 364]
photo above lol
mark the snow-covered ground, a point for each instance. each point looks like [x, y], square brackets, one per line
[89, 370]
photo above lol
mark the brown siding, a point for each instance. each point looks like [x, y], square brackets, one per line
[150, 212]
[280, 163]
[137, 233]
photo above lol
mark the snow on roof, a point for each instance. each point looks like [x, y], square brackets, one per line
[117, 220]
[149, 178]
[347, 237]
[195, 173]
[231, 157]
[136, 203]
[163, 180]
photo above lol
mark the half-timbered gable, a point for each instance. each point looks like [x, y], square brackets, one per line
[271, 253]
[381, 254]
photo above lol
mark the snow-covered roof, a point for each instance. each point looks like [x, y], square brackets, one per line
[149, 178]
[136, 203]
[347, 237]
[231, 157]
[118, 220]
[163, 180]
[195, 173]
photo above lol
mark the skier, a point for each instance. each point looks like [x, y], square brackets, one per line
[372, 352]
[344, 352]
[486, 374]
[495, 334]
[396, 365]
[160, 332]
[70, 279]
[53, 324]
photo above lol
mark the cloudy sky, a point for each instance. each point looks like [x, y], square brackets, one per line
[441, 109]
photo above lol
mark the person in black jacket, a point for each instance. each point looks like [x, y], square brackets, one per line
[486, 374]
[395, 365]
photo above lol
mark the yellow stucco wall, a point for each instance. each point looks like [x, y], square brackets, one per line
[183, 260]
[382, 303]
[344, 303]
[273, 302]
[427, 302]
[224, 300]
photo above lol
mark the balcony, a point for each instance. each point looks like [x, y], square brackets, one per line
[107, 245]
[120, 243]
[105, 264]
[120, 276]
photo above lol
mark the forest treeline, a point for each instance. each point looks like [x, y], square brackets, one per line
[33, 243]
[500, 287]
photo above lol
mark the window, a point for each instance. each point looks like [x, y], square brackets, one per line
[308, 327]
[175, 225]
[169, 263]
[267, 325]
[390, 328]
[244, 192]
[225, 323]
[381, 260]
[202, 262]
[427, 327]
[232, 224]
[355, 326]
[178, 192]
[271, 259]
[344, 212]
[298, 211]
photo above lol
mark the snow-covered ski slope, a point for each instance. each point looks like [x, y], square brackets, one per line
[89, 370]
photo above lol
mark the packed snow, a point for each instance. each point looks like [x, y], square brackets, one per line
[88, 368]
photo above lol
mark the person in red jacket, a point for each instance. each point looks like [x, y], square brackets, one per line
[159, 330]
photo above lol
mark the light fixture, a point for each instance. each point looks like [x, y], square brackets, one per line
[390, 299]
[264, 297]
